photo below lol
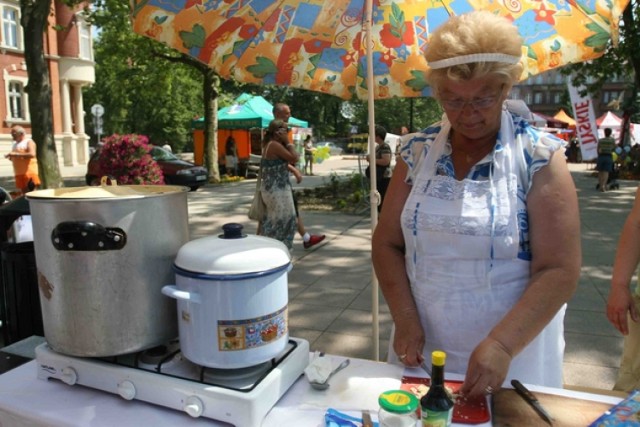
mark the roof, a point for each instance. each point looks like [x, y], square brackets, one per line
[564, 117]
[610, 120]
[248, 111]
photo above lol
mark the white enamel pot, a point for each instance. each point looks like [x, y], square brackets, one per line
[232, 299]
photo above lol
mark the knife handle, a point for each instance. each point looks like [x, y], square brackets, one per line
[523, 391]
[366, 419]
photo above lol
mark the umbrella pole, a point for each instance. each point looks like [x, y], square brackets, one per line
[373, 198]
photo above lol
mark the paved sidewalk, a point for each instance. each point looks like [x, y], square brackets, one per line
[330, 285]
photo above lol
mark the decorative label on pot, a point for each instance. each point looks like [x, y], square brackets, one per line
[244, 334]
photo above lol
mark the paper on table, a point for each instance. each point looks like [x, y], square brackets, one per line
[354, 388]
[319, 368]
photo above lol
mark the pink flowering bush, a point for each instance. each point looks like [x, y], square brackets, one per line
[127, 158]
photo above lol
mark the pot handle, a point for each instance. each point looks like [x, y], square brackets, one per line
[87, 236]
[173, 292]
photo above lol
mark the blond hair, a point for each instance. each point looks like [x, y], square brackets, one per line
[478, 32]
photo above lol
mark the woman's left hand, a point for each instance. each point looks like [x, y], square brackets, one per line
[487, 369]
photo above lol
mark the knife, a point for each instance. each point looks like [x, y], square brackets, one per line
[531, 400]
[366, 419]
[425, 368]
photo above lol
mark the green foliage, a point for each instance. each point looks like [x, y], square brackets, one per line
[144, 93]
[621, 60]
[340, 193]
[141, 92]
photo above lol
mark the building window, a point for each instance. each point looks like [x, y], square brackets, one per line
[559, 78]
[538, 98]
[557, 97]
[11, 36]
[527, 98]
[16, 101]
[84, 38]
[610, 95]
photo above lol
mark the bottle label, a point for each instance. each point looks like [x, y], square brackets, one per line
[436, 418]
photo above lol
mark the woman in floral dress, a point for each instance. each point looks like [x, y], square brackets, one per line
[279, 221]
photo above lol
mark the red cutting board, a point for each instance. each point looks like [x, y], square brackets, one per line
[465, 411]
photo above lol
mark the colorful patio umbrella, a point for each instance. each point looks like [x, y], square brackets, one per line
[320, 45]
[369, 49]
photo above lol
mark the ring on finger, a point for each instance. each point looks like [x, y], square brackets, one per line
[402, 356]
[489, 389]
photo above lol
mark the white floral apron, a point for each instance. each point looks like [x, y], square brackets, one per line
[461, 257]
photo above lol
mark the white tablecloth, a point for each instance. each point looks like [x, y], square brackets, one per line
[26, 400]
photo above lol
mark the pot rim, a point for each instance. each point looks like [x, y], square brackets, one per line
[74, 194]
[229, 276]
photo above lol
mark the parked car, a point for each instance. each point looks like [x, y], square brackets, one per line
[334, 149]
[175, 170]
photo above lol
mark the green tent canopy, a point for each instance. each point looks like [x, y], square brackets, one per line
[248, 111]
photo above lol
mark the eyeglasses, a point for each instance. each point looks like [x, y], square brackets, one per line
[283, 129]
[475, 103]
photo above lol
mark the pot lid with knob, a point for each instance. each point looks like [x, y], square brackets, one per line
[232, 255]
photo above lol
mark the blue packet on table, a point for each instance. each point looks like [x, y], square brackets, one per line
[624, 414]
[333, 418]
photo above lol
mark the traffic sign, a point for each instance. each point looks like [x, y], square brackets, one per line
[97, 110]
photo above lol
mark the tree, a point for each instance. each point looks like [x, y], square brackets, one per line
[34, 21]
[136, 79]
[142, 93]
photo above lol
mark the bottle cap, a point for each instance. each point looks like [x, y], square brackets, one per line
[438, 358]
[398, 401]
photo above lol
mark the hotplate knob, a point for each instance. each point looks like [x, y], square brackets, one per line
[127, 390]
[193, 406]
[69, 376]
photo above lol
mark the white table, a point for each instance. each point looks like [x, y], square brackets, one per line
[26, 400]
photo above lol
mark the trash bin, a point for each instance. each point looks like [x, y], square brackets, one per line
[20, 310]
[19, 295]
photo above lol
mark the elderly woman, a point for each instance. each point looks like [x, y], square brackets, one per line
[478, 246]
[279, 220]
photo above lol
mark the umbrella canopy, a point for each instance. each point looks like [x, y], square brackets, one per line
[609, 120]
[248, 111]
[320, 45]
[564, 117]
[551, 122]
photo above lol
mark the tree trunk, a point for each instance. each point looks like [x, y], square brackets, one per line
[34, 22]
[210, 85]
[210, 90]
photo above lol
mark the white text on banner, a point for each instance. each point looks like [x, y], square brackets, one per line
[586, 127]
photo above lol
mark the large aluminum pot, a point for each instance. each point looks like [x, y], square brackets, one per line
[232, 297]
[103, 255]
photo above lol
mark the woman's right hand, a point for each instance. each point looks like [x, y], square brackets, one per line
[408, 341]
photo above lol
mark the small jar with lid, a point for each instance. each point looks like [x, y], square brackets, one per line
[397, 409]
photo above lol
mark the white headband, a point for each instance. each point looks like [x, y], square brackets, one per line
[476, 57]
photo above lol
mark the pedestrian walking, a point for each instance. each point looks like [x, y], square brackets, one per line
[23, 157]
[283, 112]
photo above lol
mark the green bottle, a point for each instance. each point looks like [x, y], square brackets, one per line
[437, 406]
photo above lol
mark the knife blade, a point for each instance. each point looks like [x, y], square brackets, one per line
[366, 419]
[532, 400]
[425, 368]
